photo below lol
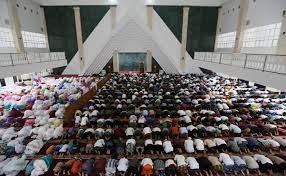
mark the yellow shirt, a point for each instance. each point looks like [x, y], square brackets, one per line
[210, 143]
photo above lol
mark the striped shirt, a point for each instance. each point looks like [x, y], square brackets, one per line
[111, 163]
[159, 165]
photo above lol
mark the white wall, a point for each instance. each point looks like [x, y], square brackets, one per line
[4, 16]
[31, 17]
[228, 17]
[260, 13]
[6, 23]
[264, 12]
[227, 20]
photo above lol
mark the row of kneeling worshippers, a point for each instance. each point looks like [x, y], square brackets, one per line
[190, 100]
[179, 165]
[31, 113]
[198, 114]
[222, 163]
[166, 146]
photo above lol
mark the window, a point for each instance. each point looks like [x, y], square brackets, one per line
[6, 38]
[226, 40]
[34, 40]
[263, 36]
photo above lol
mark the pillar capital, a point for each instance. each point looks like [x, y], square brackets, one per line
[76, 8]
[186, 8]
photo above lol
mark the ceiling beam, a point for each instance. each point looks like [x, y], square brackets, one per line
[75, 2]
[213, 3]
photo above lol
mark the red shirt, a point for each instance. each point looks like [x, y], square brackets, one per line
[119, 132]
[90, 141]
[76, 167]
[70, 162]
[174, 130]
[100, 165]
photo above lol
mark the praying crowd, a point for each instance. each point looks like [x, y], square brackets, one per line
[152, 124]
[31, 113]
[145, 124]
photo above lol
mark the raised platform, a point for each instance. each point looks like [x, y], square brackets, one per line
[17, 64]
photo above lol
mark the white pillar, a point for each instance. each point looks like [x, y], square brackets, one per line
[15, 25]
[46, 31]
[184, 36]
[115, 58]
[79, 36]
[281, 45]
[150, 16]
[149, 61]
[115, 61]
[217, 28]
[113, 16]
[150, 24]
[241, 26]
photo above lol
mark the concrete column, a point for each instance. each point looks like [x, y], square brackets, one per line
[150, 16]
[218, 27]
[45, 30]
[281, 45]
[150, 24]
[79, 36]
[241, 26]
[115, 61]
[184, 36]
[113, 16]
[149, 60]
[115, 58]
[15, 25]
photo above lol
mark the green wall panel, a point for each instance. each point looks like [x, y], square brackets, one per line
[201, 29]
[61, 27]
[61, 31]
[90, 17]
[173, 17]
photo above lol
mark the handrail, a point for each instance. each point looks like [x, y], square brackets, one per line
[264, 62]
[244, 53]
[12, 59]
